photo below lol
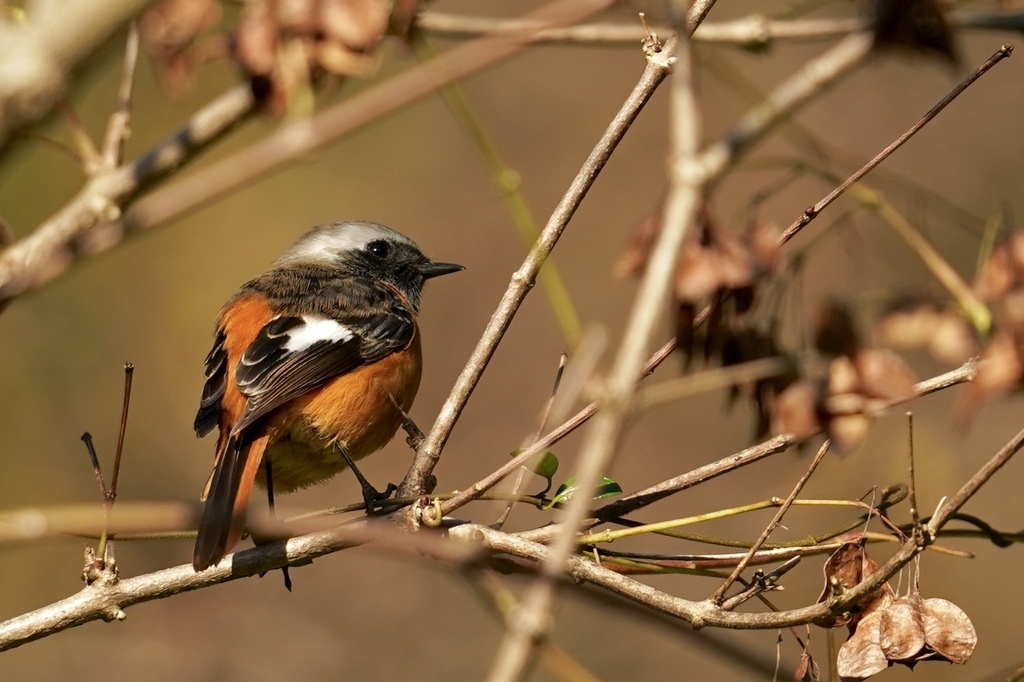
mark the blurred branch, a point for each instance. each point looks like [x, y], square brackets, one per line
[34, 523]
[813, 79]
[753, 32]
[107, 600]
[96, 210]
[50, 249]
[780, 443]
[38, 54]
[705, 613]
[523, 279]
[602, 438]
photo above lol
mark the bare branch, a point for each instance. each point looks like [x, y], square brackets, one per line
[523, 279]
[719, 594]
[107, 600]
[754, 31]
[812, 212]
[772, 446]
[48, 251]
[603, 435]
[38, 54]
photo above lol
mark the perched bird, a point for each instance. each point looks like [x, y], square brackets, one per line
[314, 364]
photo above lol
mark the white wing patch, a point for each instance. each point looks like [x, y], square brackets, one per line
[314, 330]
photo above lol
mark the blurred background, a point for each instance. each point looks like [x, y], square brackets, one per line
[362, 615]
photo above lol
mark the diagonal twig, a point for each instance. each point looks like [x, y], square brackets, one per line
[719, 594]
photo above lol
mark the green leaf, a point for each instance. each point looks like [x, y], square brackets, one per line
[545, 464]
[607, 488]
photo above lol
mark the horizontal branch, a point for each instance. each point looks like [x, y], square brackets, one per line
[106, 600]
[755, 31]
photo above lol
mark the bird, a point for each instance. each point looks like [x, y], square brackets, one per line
[314, 365]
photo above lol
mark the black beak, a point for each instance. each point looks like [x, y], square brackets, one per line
[433, 269]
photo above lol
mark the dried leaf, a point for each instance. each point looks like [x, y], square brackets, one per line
[884, 374]
[698, 274]
[845, 568]
[836, 333]
[843, 376]
[173, 25]
[357, 24]
[633, 259]
[918, 25]
[997, 275]
[848, 431]
[948, 630]
[795, 410]
[952, 340]
[297, 17]
[901, 629]
[1000, 368]
[908, 323]
[256, 39]
[736, 266]
[174, 30]
[764, 245]
[861, 655]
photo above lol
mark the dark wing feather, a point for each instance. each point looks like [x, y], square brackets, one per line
[287, 359]
[216, 381]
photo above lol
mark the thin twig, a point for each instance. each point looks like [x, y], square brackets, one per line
[48, 251]
[780, 443]
[762, 582]
[812, 212]
[579, 419]
[914, 509]
[497, 525]
[95, 461]
[129, 373]
[38, 54]
[602, 437]
[753, 32]
[953, 504]
[523, 279]
[719, 594]
[119, 127]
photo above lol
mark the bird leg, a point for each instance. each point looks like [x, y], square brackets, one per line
[371, 496]
[415, 436]
[270, 502]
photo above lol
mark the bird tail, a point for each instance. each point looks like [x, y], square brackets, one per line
[227, 498]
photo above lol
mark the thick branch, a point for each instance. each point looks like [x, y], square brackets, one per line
[49, 249]
[37, 55]
[107, 600]
[48, 252]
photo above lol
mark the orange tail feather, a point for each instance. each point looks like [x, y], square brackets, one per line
[227, 498]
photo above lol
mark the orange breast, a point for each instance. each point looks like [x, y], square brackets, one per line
[354, 411]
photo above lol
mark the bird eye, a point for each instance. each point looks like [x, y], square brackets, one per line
[379, 248]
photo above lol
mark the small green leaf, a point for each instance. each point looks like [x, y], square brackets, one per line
[607, 488]
[545, 464]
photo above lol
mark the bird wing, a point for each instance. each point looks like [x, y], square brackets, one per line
[293, 354]
[289, 355]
